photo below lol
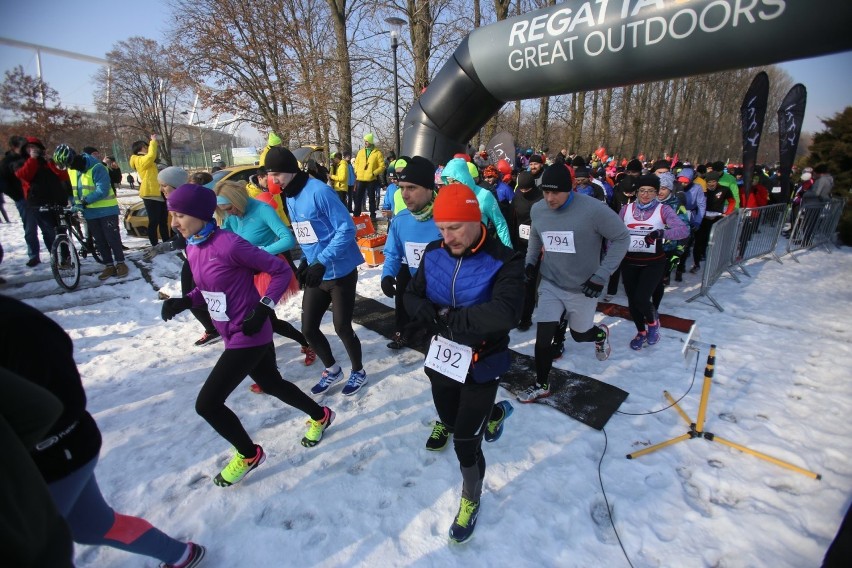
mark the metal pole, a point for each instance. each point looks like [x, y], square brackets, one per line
[394, 46]
[203, 150]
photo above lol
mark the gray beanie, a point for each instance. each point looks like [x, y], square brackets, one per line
[173, 176]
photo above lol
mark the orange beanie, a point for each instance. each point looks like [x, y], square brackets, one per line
[456, 202]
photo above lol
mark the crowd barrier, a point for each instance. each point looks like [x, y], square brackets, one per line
[753, 233]
[815, 226]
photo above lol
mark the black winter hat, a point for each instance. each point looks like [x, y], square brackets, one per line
[661, 165]
[526, 180]
[649, 180]
[419, 171]
[634, 165]
[556, 178]
[536, 158]
[578, 161]
[281, 160]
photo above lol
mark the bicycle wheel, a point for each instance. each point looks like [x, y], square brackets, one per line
[87, 246]
[65, 262]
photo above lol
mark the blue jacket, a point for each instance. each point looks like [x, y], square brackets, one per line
[103, 189]
[406, 229]
[457, 169]
[336, 247]
[504, 192]
[261, 226]
[351, 179]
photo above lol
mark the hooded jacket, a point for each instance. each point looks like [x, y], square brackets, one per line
[146, 167]
[458, 170]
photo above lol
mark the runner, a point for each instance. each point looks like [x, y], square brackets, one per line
[571, 227]
[468, 291]
[648, 222]
[409, 233]
[224, 266]
[329, 267]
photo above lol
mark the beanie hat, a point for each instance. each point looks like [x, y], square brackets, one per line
[474, 171]
[418, 170]
[634, 165]
[667, 180]
[713, 176]
[718, 166]
[462, 155]
[525, 180]
[281, 160]
[686, 175]
[661, 165]
[368, 138]
[581, 172]
[456, 203]
[193, 200]
[536, 158]
[273, 139]
[578, 161]
[556, 178]
[173, 176]
[649, 180]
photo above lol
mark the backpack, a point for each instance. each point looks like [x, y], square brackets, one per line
[46, 188]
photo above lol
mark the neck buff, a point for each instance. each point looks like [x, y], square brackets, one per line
[426, 213]
[203, 234]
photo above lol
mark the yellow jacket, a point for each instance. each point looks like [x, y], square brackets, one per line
[340, 180]
[146, 166]
[368, 168]
[254, 191]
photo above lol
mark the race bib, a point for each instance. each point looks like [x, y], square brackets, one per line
[638, 244]
[558, 241]
[414, 253]
[449, 358]
[304, 231]
[524, 232]
[217, 305]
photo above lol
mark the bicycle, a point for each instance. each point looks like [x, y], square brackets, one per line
[65, 254]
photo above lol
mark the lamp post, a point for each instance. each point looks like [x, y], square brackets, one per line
[396, 27]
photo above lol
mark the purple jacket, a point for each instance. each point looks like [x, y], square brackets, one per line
[223, 267]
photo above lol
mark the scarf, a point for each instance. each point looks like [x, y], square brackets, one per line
[203, 234]
[426, 213]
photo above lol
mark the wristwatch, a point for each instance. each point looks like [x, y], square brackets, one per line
[267, 301]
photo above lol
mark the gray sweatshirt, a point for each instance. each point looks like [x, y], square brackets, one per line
[582, 225]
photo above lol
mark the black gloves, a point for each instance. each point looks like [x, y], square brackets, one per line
[255, 318]
[593, 287]
[314, 274]
[653, 236]
[435, 320]
[174, 306]
[389, 286]
[530, 273]
[300, 273]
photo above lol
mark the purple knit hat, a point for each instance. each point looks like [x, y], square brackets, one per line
[193, 200]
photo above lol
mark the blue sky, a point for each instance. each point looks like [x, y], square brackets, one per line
[98, 24]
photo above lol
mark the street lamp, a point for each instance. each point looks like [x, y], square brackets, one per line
[396, 27]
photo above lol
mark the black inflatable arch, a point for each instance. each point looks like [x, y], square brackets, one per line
[584, 45]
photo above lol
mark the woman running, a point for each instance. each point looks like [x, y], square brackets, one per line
[224, 265]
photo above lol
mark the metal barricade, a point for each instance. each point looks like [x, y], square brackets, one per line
[758, 234]
[815, 226]
[720, 254]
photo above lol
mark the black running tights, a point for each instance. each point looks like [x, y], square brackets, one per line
[287, 329]
[230, 370]
[340, 293]
[639, 284]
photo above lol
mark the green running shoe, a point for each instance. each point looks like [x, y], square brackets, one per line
[465, 521]
[316, 428]
[438, 438]
[239, 467]
[494, 429]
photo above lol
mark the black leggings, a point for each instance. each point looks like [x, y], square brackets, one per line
[401, 316]
[158, 220]
[639, 284]
[340, 293]
[465, 410]
[230, 370]
[187, 284]
[285, 328]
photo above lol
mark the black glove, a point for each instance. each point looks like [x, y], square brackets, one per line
[530, 273]
[255, 318]
[314, 274]
[174, 306]
[300, 273]
[593, 287]
[653, 236]
[426, 314]
[389, 286]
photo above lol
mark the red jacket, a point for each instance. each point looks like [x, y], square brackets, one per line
[27, 172]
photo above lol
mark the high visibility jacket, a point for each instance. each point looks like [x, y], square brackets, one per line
[92, 188]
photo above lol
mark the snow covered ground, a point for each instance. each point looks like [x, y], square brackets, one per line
[370, 495]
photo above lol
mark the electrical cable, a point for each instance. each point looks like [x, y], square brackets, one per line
[691, 384]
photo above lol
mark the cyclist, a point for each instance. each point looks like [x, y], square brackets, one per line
[93, 195]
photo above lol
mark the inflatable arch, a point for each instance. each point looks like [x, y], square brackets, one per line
[584, 45]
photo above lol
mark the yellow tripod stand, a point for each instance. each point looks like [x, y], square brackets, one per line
[696, 429]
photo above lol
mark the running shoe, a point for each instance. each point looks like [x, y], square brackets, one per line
[316, 428]
[356, 380]
[638, 342]
[208, 337]
[524, 325]
[328, 378]
[653, 334]
[196, 554]
[439, 437]
[602, 347]
[462, 528]
[310, 355]
[494, 429]
[534, 393]
[239, 467]
[398, 341]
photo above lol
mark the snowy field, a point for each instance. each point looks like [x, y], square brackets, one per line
[370, 495]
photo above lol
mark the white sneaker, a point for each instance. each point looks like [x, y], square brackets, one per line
[603, 348]
[534, 393]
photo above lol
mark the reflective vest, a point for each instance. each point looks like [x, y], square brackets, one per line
[85, 184]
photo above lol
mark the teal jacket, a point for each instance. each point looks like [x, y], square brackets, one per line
[261, 226]
[457, 169]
